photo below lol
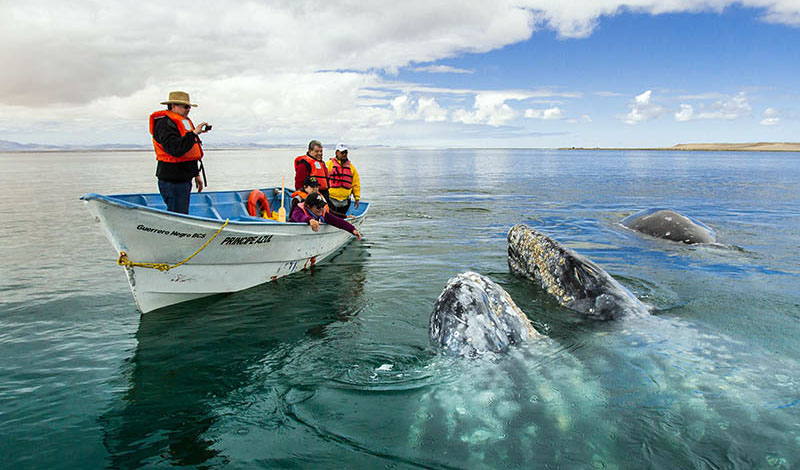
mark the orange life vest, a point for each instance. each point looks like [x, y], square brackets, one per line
[302, 195]
[194, 153]
[308, 212]
[341, 175]
[318, 169]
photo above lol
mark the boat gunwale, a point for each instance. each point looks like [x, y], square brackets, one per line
[113, 200]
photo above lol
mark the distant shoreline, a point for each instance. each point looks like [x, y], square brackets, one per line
[712, 147]
[144, 149]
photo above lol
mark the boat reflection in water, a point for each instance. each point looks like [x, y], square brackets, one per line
[193, 358]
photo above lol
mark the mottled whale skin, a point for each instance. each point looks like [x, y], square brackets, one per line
[576, 282]
[473, 316]
[669, 225]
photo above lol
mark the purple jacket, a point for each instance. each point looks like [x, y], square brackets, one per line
[298, 215]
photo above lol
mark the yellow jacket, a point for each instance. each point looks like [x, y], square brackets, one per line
[342, 193]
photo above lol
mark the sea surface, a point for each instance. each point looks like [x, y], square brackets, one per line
[332, 367]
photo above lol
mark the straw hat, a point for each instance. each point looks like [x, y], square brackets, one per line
[178, 97]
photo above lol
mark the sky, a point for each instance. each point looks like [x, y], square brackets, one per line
[442, 73]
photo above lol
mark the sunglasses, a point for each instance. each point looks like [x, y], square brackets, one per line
[186, 106]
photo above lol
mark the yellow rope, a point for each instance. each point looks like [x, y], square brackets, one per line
[164, 267]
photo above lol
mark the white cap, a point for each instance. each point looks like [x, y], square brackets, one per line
[340, 147]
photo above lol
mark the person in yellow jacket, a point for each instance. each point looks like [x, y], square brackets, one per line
[343, 181]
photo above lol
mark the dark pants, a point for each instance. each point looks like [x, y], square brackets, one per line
[175, 195]
[338, 207]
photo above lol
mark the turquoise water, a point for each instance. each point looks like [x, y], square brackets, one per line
[332, 367]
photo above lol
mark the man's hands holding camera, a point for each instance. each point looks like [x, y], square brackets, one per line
[202, 127]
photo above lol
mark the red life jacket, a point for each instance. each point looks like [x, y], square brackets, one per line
[308, 212]
[194, 153]
[341, 176]
[318, 169]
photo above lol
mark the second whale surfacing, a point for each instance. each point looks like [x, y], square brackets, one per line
[473, 315]
[576, 282]
[669, 225]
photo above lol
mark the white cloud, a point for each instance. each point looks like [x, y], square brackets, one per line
[287, 65]
[77, 51]
[685, 114]
[770, 117]
[430, 110]
[425, 108]
[642, 109]
[391, 70]
[726, 108]
[729, 108]
[545, 114]
[441, 69]
[402, 107]
[607, 94]
[538, 93]
[579, 18]
[490, 108]
[703, 96]
[98, 48]
[296, 104]
[782, 12]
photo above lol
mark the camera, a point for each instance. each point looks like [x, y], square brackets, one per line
[207, 128]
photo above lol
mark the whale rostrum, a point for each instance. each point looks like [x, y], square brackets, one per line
[574, 281]
[473, 315]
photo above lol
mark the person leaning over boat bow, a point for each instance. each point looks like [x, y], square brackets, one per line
[344, 181]
[314, 210]
[311, 164]
[178, 150]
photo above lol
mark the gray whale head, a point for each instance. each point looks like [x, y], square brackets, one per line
[669, 225]
[473, 315]
[576, 282]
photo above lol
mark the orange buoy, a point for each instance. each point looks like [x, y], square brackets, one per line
[258, 205]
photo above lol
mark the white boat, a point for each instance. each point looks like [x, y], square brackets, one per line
[218, 247]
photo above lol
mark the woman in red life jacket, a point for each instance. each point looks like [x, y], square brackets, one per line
[178, 151]
[314, 210]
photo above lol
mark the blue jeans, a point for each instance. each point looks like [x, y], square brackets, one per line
[175, 195]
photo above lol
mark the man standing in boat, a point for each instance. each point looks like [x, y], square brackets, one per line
[344, 181]
[311, 164]
[178, 150]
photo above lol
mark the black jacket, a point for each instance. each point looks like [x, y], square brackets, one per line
[166, 133]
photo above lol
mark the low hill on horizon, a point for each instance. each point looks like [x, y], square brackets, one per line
[744, 147]
[712, 147]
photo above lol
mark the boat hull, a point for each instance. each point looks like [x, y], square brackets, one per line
[243, 254]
